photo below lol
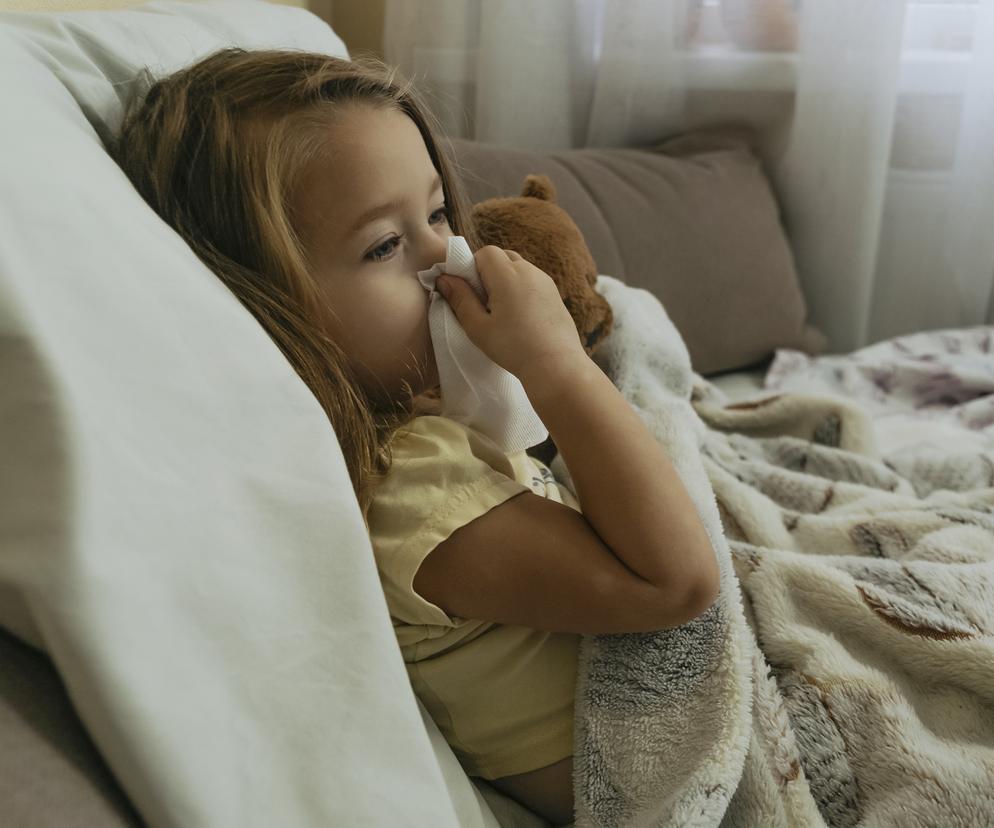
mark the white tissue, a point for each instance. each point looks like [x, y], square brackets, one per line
[476, 390]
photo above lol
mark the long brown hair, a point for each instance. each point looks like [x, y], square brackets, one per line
[216, 149]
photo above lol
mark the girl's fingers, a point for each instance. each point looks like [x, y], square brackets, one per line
[491, 256]
[491, 250]
[465, 304]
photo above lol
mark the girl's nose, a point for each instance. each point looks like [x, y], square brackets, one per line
[435, 246]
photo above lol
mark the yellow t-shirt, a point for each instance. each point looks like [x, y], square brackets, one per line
[501, 695]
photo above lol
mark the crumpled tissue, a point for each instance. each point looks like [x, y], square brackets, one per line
[475, 390]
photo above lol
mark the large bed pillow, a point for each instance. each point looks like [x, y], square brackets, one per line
[691, 219]
[178, 532]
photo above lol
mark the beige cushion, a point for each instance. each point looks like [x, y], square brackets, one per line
[692, 219]
[51, 774]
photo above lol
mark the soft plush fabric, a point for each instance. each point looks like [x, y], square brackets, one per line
[178, 527]
[945, 377]
[501, 694]
[868, 579]
[846, 672]
[692, 220]
[662, 717]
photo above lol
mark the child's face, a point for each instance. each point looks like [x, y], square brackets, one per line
[367, 267]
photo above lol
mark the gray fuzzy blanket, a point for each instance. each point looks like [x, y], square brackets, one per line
[845, 676]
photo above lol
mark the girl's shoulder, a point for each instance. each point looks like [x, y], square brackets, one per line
[433, 426]
[442, 441]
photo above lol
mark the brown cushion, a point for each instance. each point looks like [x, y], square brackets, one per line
[691, 219]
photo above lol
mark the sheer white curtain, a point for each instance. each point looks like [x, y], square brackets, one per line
[876, 121]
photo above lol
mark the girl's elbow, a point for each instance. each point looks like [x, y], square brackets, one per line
[708, 586]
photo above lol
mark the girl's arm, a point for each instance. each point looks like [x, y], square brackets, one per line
[638, 558]
[627, 487]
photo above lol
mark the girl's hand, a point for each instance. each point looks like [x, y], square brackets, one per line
[525, 323]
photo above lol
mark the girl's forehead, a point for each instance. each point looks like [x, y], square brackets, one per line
[370, 155]
[359, 127]
[366, 142]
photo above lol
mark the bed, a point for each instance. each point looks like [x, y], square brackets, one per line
[177, 644]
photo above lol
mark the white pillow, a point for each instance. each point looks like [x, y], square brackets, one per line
[177, 527]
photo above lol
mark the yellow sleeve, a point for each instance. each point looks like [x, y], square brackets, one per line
[443, 476]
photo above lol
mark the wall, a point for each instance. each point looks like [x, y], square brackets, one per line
[358, 22]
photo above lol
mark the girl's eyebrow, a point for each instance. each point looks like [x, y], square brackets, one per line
[374, 213]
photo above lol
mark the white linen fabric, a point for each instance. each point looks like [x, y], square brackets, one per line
[475, 389]
[875, 120]
[177, 525]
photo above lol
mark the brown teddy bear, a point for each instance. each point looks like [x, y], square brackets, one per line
[542, 232]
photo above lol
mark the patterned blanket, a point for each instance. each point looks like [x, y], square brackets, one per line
[845, 676]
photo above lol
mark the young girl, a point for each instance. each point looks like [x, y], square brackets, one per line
[316, 188]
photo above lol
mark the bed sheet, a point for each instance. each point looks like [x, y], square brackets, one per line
[927, 392]
[930, 396]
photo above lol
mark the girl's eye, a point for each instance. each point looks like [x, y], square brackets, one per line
[386, 247]
[382, 252]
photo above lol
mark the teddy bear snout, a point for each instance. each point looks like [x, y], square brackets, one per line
[595, 335]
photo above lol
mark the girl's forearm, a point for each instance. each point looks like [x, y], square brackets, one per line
[626, 485]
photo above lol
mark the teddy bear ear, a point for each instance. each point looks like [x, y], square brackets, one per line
[539, 186]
